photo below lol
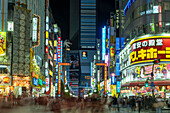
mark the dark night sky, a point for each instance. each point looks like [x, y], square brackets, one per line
[60, 10]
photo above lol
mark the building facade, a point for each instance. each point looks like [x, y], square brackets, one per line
[145, 27]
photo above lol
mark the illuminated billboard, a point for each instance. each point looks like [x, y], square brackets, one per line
[118, 86]
[103, 42]
[35, 30]
[150, 48]
[2, 43]
[59, 49]
[10, 26]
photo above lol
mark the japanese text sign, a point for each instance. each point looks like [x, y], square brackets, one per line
[148, 49]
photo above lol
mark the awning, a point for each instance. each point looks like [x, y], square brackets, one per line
[156, 83]
[137, 83]
[125, 85]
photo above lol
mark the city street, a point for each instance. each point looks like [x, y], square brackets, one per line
[84, 56]
[41, 109]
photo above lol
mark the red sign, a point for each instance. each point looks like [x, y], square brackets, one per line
[148, 49]
[46, 49]
[59, 49]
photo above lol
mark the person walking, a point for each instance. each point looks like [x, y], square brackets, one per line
[133, 103]
[139, 101]
[118, 103]
[114, 103]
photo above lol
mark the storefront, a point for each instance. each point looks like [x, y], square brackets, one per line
[21, 85]
[137, 69]
[5, 84]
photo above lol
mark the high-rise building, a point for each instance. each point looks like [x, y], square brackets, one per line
[83, 35]
[87, 24]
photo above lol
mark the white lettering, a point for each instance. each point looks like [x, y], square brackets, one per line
[139, 45]
[145, 43]
[159, 42]
[151, 42]
[134, 46]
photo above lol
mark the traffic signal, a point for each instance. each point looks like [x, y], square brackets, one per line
[156, 61]
[146, 84]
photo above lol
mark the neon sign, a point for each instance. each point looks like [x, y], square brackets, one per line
[103, 42]
[59, 49]
[129, 3]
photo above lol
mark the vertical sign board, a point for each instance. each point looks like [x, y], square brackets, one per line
[34, 28]
[59, 80]
[2, 43]
[91, 74]
[59, 49]
[118, 86]
[112, 79]
[105, 79]
[10, 26]
[46, 55]
[103, 42]
[118, 69]
[47, 84]
[59, 55]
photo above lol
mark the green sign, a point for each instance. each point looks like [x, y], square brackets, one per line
[40, 81]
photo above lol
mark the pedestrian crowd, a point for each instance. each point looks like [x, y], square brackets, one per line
[94, 104]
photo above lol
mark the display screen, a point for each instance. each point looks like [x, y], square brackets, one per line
[74, 61]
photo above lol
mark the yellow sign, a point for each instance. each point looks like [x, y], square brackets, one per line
[150, 48]
[113, 90]
[50, 72]
[46, 34]
[2, 43]
[55, 43]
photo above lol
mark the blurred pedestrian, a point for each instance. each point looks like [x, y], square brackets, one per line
[110, 103]
[139, 99]
[114, 103]
[128, 104]
[133, 103]
[82, 104]
[118, 103]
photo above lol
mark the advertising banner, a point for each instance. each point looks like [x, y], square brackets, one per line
[2, 43]
[161, 71]
[150, 48]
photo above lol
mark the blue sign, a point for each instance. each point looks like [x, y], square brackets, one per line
[117, 69]
[91, 74]
[112, 79]
[44, 82]
[122, 42]
[103, 42]
[117, 43]
[35, 81]
[118, 87]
